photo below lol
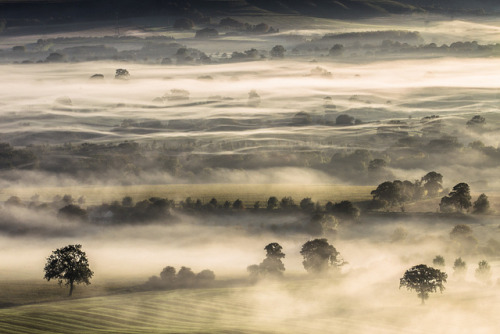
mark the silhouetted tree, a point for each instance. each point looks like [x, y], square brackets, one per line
[212, 205]
[388, 192]
[167, 275]
[302, 118]
[345, 210]
[459, 199]
[322, 224]
[127, 201]
[377, 165]
[460, 232]
[205, 277]
[238, 205]
[70, 265]
[483, 271]
[423, 279]
[476, 121]
[272, 265]
[122, 74]
[14, 201]
[307, 204]
[459, 268]
[432, 182]
[320, 256]
[438, 261]
[72, 211]
[272, 203]
[278, 51]
[185, 276]
[287, 203]
[54, 57]
[336, 50]
[345, 120]
[481, 205]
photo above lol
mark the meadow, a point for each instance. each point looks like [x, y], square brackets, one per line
[292, 307]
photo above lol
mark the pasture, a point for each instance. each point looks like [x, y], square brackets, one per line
[297, 306]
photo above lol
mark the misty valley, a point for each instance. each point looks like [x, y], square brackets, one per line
[250, 172]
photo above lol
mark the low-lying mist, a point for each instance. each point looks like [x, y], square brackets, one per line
[363, 296]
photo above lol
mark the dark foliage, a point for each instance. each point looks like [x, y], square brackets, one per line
[423, 280]
[70, 265]
[320, 257]
[481, 205]
[458, 199]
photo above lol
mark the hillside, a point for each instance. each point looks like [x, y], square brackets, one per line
[294, 307]
[60, 11]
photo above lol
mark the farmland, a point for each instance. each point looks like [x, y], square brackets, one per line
[300, 306]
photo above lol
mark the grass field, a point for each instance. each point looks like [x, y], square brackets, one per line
[248, 193]
[304, 306]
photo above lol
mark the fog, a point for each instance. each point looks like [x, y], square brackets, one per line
[258, 126]
[217, 120]
[364, 296]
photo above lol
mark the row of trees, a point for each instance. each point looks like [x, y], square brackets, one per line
[156, 208]
[459, 200]
[185, 278]
[482, 272]
[389, 194]
[392, 193]
[320, 257]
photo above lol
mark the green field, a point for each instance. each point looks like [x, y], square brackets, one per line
[248, 193]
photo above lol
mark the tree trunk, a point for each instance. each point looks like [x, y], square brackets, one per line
[70, 288]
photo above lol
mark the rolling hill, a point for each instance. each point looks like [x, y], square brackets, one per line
[66, 11]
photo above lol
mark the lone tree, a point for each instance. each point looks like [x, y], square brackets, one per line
[423, 279]
[278, 51]
[481, 205]
[483, 271]
[320, 256]
[438, 261]
[272, 265]
[122, 74]
[68, 264]
[459, 268]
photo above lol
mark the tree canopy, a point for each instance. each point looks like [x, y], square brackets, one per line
[458, 199]
[271, 266]
[70, 265]
[320, 256]
[481, 205]
[423, 280]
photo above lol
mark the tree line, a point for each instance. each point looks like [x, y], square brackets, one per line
[396, 193]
